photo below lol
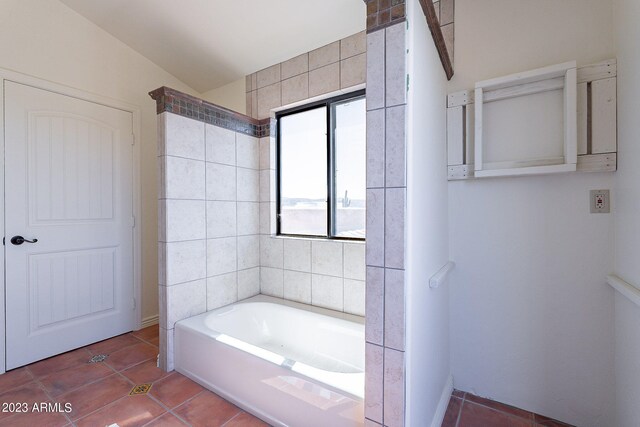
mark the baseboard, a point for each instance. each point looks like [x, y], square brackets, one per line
[149, 321]
[443, 403]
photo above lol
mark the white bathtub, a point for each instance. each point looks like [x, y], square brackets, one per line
[290, 364]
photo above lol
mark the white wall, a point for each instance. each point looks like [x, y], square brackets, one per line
[531, 315]
[427, 317]
[231, 96]
[627, 324]
[44, 38]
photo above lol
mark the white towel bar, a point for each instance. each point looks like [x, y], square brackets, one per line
[626, 289]
[441, 275]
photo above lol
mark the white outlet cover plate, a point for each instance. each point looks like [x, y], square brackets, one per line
[599, 201]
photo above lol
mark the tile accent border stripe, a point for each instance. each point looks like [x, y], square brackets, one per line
[182, 104]
[384, 13]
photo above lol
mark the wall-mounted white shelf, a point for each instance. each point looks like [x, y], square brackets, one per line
[525, 147]
[525, 123]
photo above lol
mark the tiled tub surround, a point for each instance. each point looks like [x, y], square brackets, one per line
[216, 209]
[331, 68]
[209, 219]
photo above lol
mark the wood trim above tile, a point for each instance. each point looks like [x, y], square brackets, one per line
[174, 101]
[438, 37]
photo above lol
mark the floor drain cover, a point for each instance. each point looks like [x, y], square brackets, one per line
[98, 358]
[140, 389]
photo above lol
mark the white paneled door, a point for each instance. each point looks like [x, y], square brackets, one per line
[68, 184]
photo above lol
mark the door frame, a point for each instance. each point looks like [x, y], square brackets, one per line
[8, 75]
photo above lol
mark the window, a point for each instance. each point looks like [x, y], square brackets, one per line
[321, 169]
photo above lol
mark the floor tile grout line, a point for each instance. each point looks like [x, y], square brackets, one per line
[46, 392]
[501, 411]
[240, 411]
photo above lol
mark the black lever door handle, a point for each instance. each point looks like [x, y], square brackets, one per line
[18, 240]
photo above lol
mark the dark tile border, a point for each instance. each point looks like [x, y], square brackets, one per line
[384, 13]
[174, 101]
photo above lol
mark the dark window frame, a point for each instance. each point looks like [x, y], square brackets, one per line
[329, 104]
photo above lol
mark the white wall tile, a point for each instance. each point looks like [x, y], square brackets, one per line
[248, 252]
[268, 76]
[186, 261]
[297, 254]
[354, 297]
[353, 71]
[183, 179]
[247, 151]
[248, 185]
[248, 218]
[221, 256]
[395, 153]
[166, 349]
[374, 306]
[394, 228]
[267, 185]
[295, 89]
[271, 252]
[268, 99]
[354, 261]
[248, 283]
[374, 381]
[375, 70]
[248, 104]
[327, 291]
[295, 66]
[221, 182]
[324, 56]
[254, 81]
[446, 12]
[326, 258]
[266, 154]
[222, 290]
[265, 218]
[271, 281]
[324, 80]
[221, 145]
[185, 220]
[161, 129]
[162, 263]
[297, 286]
[184, 137]
[185, 300]
[375, 148]
[162, 220]
[353, 45]
[221, 219]
[254, 104]
[393, 388]
[375, 227]
[395, 65]
[394, 309]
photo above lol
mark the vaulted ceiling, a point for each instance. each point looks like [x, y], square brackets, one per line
[209, 43]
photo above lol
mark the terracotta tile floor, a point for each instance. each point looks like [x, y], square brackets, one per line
[99, 392]
[468, 410]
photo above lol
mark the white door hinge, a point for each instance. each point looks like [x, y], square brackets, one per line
[133, 139]
[133, 304]
[133, 221]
